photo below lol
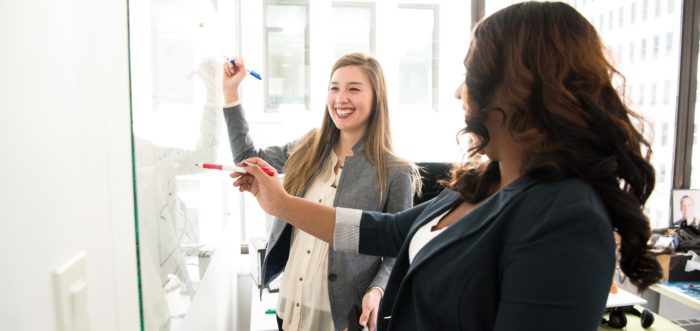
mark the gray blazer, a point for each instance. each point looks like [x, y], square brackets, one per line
[349, 275]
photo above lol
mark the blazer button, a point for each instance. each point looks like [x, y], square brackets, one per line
[332, 277]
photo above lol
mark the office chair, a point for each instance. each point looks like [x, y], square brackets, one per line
[617, 319]
[431, 172]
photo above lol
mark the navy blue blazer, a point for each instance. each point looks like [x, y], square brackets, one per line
[534, 256]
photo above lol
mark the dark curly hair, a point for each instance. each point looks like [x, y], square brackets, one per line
[550, 63]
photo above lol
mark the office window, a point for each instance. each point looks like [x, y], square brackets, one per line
[657, 8]
[601, 23]
[645, 9]
[353, 28]
[656, 47]
[664, 134]
[621, 17]
[286, 49]
[630, 94]
[633, 10]
[641, 95]
[669, 43]
[653, 94]
[417, 55]
[643, 50]
[660, 173]
[667, 92]
[618, 55]
[610, 20]
[631, 51]
[671, 6]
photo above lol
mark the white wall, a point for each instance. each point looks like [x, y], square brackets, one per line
[65, 176]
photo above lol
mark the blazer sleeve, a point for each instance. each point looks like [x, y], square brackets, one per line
[242, 146]
[399, 198]
[576, 242]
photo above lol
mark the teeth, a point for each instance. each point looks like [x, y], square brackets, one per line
[344, 112]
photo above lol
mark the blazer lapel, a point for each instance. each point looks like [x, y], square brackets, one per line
[472, 223]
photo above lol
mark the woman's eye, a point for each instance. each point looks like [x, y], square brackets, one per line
[333, 88]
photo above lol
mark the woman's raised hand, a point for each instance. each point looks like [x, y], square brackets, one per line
[233, 76]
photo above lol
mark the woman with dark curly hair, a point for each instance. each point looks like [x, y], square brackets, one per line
[522, 238]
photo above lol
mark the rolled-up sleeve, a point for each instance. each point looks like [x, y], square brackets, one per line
[346, 236]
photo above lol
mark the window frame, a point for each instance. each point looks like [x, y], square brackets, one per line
[687, 86]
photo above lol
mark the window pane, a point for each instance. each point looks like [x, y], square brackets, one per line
[416, 56]
[287, 44]
[353, 29]
[645, 73]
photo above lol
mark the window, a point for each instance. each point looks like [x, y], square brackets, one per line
[656, 47]
[619, 53]
[657, 8]
[667, 92]
[633, 12]
[621, 18]
[669, 43]
[631, 51]
[645, 9]
[286, 49]
[353, 28]
[653, 94]
[643, 50]
[610, 20]
[664, 134]
[641, 95]
[417, 56]
[661, 173]
[630, 93]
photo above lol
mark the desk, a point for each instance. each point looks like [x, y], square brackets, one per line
[677, 295]
[259, 321]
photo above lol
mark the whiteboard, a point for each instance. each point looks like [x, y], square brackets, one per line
[177, 121]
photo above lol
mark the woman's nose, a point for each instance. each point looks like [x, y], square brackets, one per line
[460, 90]
[341, 97]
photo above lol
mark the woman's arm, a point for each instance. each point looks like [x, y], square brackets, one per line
[382, 234]
[242, 146]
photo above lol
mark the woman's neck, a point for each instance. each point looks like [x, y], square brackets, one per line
[346, 141]
[510, 165]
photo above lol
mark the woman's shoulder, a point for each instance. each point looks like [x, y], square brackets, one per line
[566, 193]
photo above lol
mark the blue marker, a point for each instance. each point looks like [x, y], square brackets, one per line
[251, 72]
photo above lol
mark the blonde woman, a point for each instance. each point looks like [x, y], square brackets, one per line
[347, 162]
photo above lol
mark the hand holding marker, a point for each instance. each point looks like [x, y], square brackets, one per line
[233, 168]
[251, 72]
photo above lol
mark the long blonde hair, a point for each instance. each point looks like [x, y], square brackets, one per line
[305, 160]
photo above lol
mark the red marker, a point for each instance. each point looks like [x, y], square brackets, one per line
[233, 168]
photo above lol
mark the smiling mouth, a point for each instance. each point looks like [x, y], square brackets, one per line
[344, 112]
